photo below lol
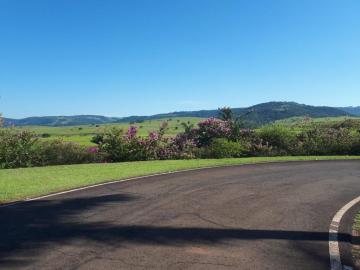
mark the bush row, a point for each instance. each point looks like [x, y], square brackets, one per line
[23, 149]
[212, 138]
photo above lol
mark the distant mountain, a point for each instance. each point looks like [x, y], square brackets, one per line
[60, 120]
[253, 116]
[351, 110]
[271, 111]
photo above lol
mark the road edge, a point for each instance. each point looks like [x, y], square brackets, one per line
[334, 248]
[168, 173]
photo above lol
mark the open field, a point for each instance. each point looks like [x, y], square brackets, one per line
[307, 122]
[82, 134]
[16, 184]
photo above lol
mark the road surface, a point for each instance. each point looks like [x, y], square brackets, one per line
[268, 216]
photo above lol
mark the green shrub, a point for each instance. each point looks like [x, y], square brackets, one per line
[17, 148]
[58, 152]
[223, 148]
[328, 141]
[281, 139]
[124, 147]
[45, 135]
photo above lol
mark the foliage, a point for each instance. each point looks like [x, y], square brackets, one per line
[57, 152]
[210, 129]
[281, 139]
[17, 148]
[187, 127]
[211, 138]
[45, 135]
[329, 141]
[224, 148]
[226, 114]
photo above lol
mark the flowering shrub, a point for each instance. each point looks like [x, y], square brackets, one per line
[328, 141]
[212, 138]
[58, 152]
[17, 148]
[126, 147]
[210, 129]
[131, 147]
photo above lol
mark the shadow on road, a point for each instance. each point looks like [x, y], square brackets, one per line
[41, 224]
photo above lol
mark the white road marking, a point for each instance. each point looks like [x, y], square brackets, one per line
[334, 251]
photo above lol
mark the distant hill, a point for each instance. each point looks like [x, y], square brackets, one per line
[253, 116]
[269, 112]
[351, 110]
[60, 120]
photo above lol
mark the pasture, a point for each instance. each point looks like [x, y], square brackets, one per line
[82, 134]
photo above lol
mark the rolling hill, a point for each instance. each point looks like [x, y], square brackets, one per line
[253, 116]
[57, 121]
[351, 110]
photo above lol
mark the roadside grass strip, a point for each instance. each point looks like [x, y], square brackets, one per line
[26, 183]
[356, 245]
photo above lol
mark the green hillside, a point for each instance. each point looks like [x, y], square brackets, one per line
[252, 116]
[325, 122]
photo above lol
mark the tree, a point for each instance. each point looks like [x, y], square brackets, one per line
[187, 127]
[226, 114]
[1, 120]
[235, 123]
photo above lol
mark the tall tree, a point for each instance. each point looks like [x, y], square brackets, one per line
[226, 114]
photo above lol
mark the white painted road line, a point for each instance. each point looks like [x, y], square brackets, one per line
[334, 250]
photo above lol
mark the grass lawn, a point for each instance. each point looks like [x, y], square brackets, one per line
[16, 184]
[356, 246]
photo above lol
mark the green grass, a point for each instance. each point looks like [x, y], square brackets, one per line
[82, 134]
[307, 122]
[357, 222]
[16, 184]
[356, 246]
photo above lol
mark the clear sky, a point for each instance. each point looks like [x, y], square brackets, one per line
[119, 58]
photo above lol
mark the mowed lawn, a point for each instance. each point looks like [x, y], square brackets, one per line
[17, 184]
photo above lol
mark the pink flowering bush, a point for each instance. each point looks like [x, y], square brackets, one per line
[120, 146]
[210, 129]
[127, 147]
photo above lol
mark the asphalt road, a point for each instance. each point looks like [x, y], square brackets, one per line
[269, 216]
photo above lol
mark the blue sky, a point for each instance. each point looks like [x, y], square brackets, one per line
[119, 58]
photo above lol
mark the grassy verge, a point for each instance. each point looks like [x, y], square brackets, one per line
[356, 246]
[16, 184]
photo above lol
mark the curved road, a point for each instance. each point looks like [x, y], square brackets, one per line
[269, 216]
